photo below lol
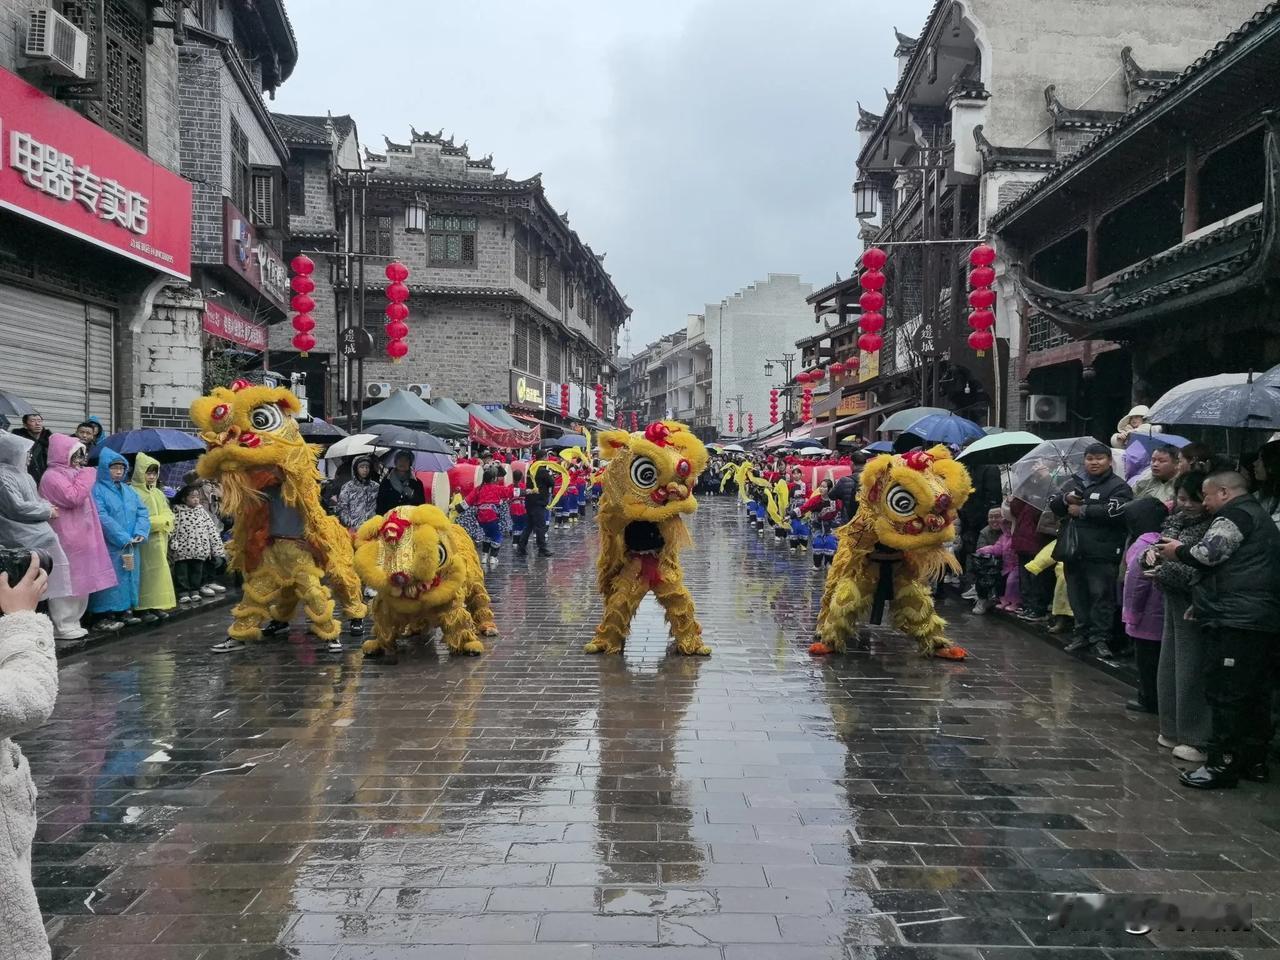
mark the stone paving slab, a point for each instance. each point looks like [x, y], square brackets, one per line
[537, 802]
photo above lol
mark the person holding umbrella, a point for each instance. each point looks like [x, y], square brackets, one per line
[1091, 502]
[400, 488]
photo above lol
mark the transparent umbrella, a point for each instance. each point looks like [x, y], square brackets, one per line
[1040, 473]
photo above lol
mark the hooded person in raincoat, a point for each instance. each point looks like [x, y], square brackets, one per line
[125, 525]
[24, 516]
[155, 591]
[68, 485]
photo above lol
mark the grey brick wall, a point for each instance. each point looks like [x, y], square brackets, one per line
[319, 213]
[162, 102]
[202, 137]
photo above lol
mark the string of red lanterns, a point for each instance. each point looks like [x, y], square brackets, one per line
[982, 298]
[872, 281]
[731, 423]
[635, 421]
[617, 420]
[564, 400]
[397, 311]
[773, 406]
[599, 401]
[302, 303]
[751, 423]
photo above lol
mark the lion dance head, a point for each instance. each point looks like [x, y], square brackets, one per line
[650, 475]
[413, 557]
[249, 427]
[913, 497]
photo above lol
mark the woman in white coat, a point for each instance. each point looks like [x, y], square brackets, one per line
[28, 689]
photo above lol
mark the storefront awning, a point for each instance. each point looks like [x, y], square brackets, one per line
[847, 424]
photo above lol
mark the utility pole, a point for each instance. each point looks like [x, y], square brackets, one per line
[729, 402]
[787, 362]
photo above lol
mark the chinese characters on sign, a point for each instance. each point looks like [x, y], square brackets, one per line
[226, 324]
[528, 391]
[55, 172]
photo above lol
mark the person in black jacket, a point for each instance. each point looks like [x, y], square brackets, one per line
[33, 429]
[1237, 604]
[988, 494]
[400, 488]
[1092, 502]
[535, 505]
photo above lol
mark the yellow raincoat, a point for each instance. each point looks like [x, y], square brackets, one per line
[152, 556]
[1041, 562]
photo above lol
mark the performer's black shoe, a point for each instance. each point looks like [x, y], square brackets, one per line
[1257, 772]
[356, 628]
[273, 627]
[1211, 776]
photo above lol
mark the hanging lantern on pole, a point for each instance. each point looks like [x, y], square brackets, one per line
[773, 406]
[564, 400]
[617, 420]
[806, 404]
[635, 421]
[837, 369]
[731, 423]
[302, 303]
[397, 311]
[872, 281]
[599, 401]
[982, 298]
[751, 423]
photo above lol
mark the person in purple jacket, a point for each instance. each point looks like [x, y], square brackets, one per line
[1142, 607]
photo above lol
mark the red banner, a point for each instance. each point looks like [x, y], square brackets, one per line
[70, 174]
[226, 324]
[482, 432]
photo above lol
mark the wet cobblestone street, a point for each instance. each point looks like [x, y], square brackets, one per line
[538, 803]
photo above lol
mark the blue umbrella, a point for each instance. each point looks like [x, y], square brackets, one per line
[167, 446]
[938, 428]
[880, 446]
[1153, 441]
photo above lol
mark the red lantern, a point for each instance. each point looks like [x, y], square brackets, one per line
[397, 349]
[599, 401]
[302, 303]
[806, 405]
[852, 364]
[874, 258]
[982, 320]
[397, 311]
[870, 342]
[397, 272]
[617, 420]
[564, 400]
[751, 423]
[731, 423]
[302, 284]
[397, 292]
[635, 420]
[872, 280]
[981, 277]
[982, 298]
[302, 264]
[982, 255]
[871, 301]
[303, 342]
[871, 322]
[981, 341]
[773, 406]
[304, 323]
[837, 369]
[397, 330]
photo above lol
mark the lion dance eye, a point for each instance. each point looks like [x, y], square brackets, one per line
[266, 418]
[644, 473]
[442, 555]
[220, 412]
[901, 500]
[683, 469]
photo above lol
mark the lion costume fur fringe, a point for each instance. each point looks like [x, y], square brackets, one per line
[426, 573]
[254, 444]
[907, 506]
[646, 488]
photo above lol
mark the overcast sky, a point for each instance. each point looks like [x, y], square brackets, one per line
[701, 143]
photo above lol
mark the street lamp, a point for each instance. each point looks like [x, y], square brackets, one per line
[787, 362]
[738, 400]
[865, 195]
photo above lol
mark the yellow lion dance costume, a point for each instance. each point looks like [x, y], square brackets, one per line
[893, 550]
[265, 468]
[647, 484]
[427, 574]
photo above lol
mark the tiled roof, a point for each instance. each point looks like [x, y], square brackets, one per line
[1268, 17]
[311, 131]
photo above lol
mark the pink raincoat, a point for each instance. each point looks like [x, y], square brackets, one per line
[79, 530]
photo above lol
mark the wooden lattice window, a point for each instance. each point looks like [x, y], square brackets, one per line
[377, 236]
[535, 350]
[553, 286]
[297, 174]
[122, 68]
[555, 353]
[520, 346]
[451, 241]
[241, 188]
[522, 258]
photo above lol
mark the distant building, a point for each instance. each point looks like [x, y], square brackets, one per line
[507, 302]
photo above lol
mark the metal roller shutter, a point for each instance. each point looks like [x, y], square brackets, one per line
[45, 344]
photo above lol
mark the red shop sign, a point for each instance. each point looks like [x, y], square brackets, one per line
[68, 173]
[226, 324]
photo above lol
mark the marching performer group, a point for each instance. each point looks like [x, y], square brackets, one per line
[423, 568]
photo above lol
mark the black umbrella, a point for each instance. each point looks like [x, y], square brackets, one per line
[13, 406]
[402, 438]
[320, 431]
[1248, 406]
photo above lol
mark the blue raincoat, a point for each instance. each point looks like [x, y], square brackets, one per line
[123, 517]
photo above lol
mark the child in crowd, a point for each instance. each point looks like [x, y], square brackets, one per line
[195, 547]
[155, 589]
[1060, 611]
[1142, 609]
[825, 510]
[519, 509]
[125, 525]
[488, 499]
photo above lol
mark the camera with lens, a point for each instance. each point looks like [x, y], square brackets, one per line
[16, 561]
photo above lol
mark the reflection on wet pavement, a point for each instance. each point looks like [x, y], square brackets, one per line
[537, 802]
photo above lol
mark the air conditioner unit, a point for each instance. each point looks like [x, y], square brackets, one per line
[422, 390]
[60, 46]
[1044, 408]
[377, 391]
